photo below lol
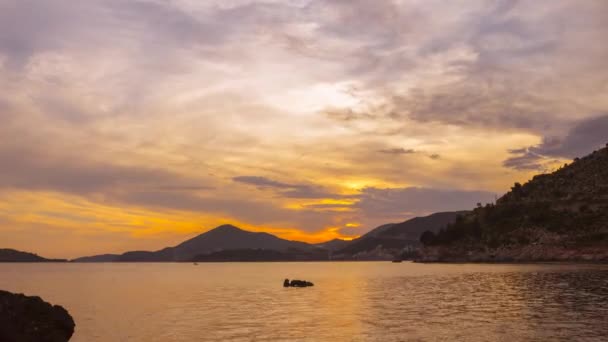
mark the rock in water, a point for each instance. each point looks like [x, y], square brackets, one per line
[30, 319]
[297, 283]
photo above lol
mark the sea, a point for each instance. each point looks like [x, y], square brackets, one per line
[350, 301]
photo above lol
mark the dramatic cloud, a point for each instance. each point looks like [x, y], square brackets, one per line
[525, 160]
[148, 121]
[496, 68]
[587, 135]
[289, 190]
[392, 205]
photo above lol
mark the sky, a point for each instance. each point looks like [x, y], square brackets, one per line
[136, 124]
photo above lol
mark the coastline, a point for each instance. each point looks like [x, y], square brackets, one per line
[514, 254]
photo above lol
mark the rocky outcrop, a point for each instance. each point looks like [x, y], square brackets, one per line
[542, 246]
[30, 319]
[518, 254]
[297, 283]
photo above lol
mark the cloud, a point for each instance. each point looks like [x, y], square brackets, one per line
[585, 136]
[394, 204]
[264, 182]
[398, 150]
[138, 186]
[30, 27]
[312, 192]
[495, 69]
[25, 168]
[525, 160]
[287, 190]
[403, 151]
[327, 206]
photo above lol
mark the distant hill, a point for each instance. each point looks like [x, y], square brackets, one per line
[378, 230]
[12, 255]
[389, 240]
[98, 258]
[557, 216]
[333, 245]
[230, 237]
[251, 255]
[222, 238]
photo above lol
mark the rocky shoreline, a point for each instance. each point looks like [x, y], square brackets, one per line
[519, 254]
[30, 319]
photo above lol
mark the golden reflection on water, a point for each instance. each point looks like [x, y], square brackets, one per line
[350, 301]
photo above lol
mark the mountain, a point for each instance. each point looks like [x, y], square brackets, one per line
[98, 258]
[333, 245]
[255, 255]
[559, 216]
[391, 240]
[12, 255]
[222, 238]
[378, 230]
[230, 237]
[412, 229]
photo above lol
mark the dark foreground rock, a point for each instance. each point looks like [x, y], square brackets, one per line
[30, 319]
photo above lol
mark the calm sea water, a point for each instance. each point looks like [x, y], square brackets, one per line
[356, 301]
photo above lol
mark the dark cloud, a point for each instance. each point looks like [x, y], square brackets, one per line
[311, 192]
[586, 136]
[185, 188]
[468, 105]
[287, 190]
[24, 168]
[29, 170]
[161, 29]
[264, 182]
[500, 70]
[398, 203]
[403, 151]
[252, 211]
[398, 150]
[347, 114]
[525, 160]
[582, 139]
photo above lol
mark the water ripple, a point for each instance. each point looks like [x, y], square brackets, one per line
[350, 302]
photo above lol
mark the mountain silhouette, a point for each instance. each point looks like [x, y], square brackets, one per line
[333, 245]
[225, 237]
[98, 258]
[12, 255]
[389, 240]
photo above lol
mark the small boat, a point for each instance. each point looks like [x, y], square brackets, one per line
[397, 260]
[196, 263]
